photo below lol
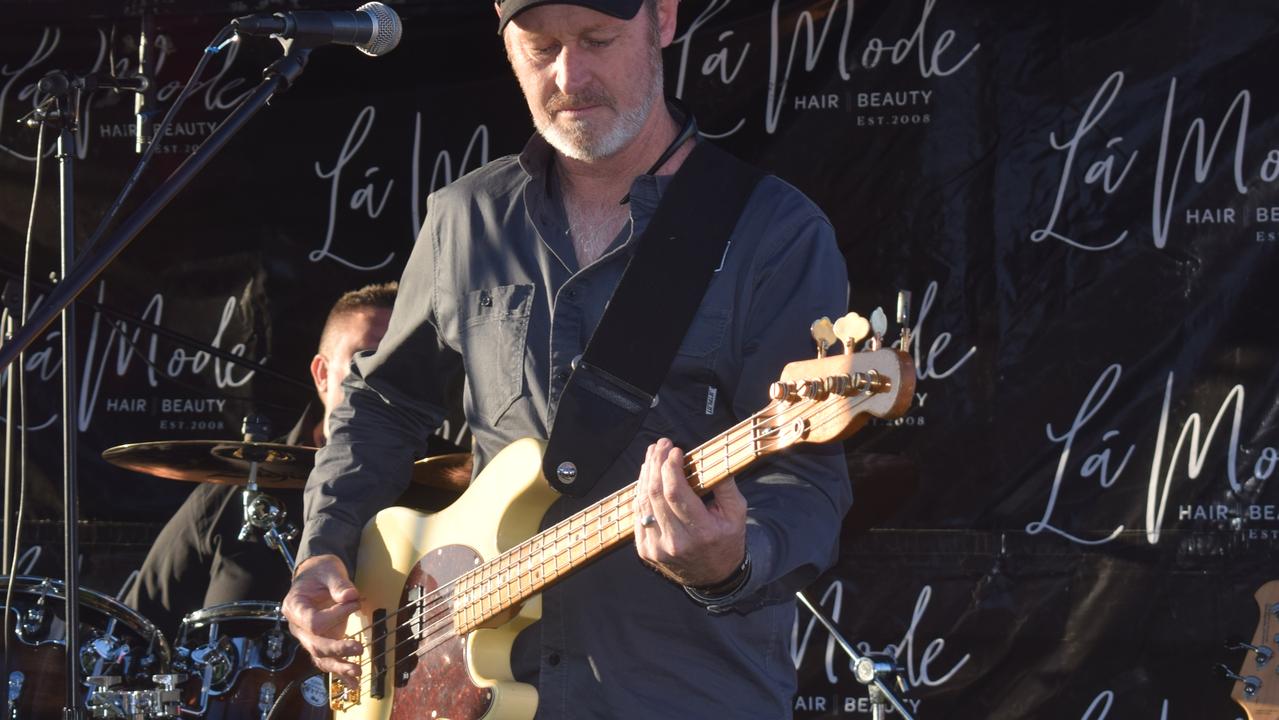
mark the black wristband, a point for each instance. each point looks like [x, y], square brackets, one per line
[731, 584]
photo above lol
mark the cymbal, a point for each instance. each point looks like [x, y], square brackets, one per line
[223, 462]
[450, 471]
[226, 462]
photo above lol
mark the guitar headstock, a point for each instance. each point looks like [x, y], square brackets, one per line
[1256, 686]
[831, 397]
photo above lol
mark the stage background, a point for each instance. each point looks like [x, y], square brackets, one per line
[1082, 198]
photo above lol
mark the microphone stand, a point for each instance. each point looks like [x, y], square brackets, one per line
[60, 111]
[68, 122]
[870, 670]
[73, 280]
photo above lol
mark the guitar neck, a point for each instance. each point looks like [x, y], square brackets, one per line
[537, 563]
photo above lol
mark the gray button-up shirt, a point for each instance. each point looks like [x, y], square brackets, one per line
[493, 279]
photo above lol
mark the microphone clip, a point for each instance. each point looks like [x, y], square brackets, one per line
[60, 107]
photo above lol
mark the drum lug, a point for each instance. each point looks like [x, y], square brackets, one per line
[266, 698]
[33, 619]
[219, 661]
[274, 649]
[16, 678]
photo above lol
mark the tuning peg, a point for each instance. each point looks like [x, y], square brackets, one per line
[879, 326]
[851, 329]
[813, 389]
[783, 391]
[1251, 683]
[1263, 653]
[823, 334]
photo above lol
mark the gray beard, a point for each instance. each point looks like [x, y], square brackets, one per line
[577, 143]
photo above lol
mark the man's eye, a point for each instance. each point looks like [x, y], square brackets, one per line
[546, 50]
[599, 43]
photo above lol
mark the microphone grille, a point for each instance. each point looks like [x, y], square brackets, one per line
[386, 29]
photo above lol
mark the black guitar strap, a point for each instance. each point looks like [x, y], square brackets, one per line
[615, 381]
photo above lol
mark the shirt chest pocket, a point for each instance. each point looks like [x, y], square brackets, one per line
[494, 326]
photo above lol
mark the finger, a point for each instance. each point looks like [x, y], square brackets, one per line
[639, 503]
[327, 621]
[341, 589]
[324, 621]
[648, 496]
[685, 507]
[348, 672]
[321, 646]
[647, 470]
[652, 475]
[729, 501]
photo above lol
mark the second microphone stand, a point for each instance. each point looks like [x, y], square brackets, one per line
[871, 669]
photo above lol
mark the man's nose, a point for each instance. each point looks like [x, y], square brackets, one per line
[572, 71]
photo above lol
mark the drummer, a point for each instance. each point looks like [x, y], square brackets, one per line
[197, 560]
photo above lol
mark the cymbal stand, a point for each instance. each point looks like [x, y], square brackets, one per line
[871, 670]
[261, 511]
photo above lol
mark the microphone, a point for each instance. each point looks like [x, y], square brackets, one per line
[373, 28]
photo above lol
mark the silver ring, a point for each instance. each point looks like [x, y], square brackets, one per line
[647, 520]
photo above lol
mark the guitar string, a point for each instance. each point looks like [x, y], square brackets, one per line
[727, 437]
[437, 641]
[617, 497]
[443, 606]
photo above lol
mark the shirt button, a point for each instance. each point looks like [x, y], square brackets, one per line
[486, 300]
[553, 659]
[561, 375]
[571, 294]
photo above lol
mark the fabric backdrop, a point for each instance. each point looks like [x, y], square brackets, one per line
[1081, 197]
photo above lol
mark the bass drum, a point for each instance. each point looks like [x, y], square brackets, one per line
[242, 664]
[117, 645]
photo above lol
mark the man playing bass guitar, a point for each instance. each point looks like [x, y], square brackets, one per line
[510, 276]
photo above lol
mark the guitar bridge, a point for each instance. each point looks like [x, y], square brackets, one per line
[341, 697]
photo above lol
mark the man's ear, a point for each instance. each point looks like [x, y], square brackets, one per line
[667, 18]
[320, 373]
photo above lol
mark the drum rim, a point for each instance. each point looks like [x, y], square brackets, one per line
[98, 601]
[233, 611]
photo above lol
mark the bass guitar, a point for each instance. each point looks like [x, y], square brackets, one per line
[445, 594]
[1256, 686]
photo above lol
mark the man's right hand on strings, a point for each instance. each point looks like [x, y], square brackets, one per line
[317, 606]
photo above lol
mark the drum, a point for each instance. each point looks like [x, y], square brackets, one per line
[122, 655]
[242, 664]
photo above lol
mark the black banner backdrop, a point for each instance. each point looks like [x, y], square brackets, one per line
[1082, 197]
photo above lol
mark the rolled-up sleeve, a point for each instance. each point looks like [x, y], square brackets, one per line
[797, 500]
[394, 399]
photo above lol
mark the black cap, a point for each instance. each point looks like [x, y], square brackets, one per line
[624, 9]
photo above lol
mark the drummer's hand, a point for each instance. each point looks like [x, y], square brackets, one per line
[318, 603]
